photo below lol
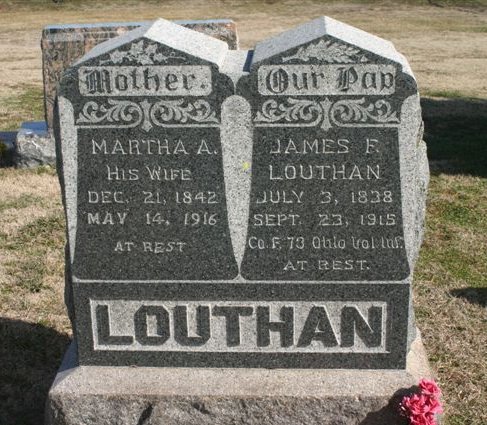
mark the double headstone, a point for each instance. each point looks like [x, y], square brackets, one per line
[242, 209]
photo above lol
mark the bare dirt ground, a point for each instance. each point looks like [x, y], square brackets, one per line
[447, 49]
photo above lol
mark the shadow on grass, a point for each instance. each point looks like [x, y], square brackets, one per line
[7, 148]
[472, 295]
[390, 413]
[29, 357]
[456, 135]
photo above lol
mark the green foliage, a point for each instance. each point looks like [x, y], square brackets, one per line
[21, 202]
[31, 244]
[45, 169]
[27, 105]
[457, 214]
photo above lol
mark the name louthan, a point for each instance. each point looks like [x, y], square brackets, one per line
[239, 327]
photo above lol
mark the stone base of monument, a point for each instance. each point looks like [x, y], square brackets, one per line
[95, 395]
[35, 145]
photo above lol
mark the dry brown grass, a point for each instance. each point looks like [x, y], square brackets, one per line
[446, 48]
[451, 293]
[29, 202]
[34, 328]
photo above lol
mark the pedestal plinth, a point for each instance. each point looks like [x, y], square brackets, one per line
[99, 395]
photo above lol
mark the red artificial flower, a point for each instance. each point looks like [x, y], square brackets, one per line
[416, 405]
[421, 409]
[429, 387]
[423, 420]
[435, 405]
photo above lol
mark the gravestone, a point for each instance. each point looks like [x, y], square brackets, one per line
[231, 212]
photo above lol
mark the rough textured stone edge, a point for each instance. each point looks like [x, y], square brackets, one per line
[63, 28]
[34, 146]
[253, 396]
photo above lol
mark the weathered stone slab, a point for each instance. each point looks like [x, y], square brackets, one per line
[34, 145]
[275, 228]
[92, 395]
[62, 45]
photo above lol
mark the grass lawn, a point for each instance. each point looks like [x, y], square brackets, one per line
[446, 48]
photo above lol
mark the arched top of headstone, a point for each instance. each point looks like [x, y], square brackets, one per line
[164, 33]
[303, 44]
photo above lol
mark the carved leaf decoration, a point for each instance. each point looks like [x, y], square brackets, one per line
[328, 51]
[354, 110]
[162, 113]
[118, 111]
[174, 110]
[294, 110]
[343, 113]
[117, 56]
[141, 55]
[159, 57]
[151, 49]
[136, 48]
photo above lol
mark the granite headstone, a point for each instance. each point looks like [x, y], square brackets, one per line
[242, 209]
